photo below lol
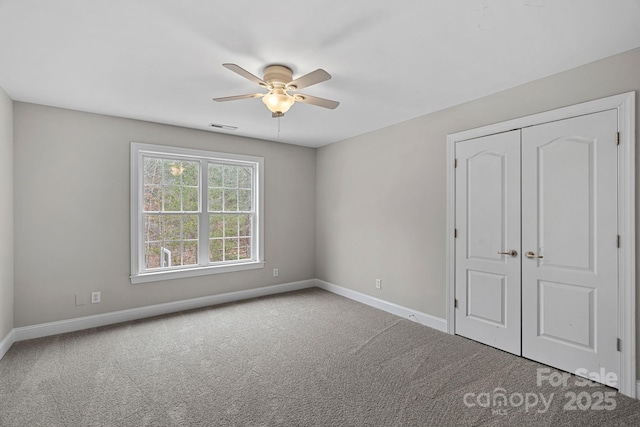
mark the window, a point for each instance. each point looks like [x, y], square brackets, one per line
[193, 212]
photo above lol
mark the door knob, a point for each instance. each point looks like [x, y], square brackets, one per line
[530, 254]
[512, 252]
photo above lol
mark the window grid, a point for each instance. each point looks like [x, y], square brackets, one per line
[232, 214]
[181, 250]
[166, 209]
[229, 213]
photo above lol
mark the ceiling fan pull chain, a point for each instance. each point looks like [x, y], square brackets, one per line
[278, 127]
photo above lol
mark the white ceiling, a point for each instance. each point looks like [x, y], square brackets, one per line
[160, 60]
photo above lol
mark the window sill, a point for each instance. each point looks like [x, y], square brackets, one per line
[157, 276]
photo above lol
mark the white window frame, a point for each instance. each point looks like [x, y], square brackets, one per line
[138, 273]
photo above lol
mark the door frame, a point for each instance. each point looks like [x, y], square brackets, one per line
[625, 104]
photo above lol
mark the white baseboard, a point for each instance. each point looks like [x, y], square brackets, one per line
[399, 310]
[7, 342]
[86, 322]
[637, 396]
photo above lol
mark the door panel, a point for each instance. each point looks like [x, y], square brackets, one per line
[559, 301]
[486, 297]
[487, 284]
[485, 195]
[567, 199]
[569, 218]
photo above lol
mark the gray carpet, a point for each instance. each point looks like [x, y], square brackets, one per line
[306, 358]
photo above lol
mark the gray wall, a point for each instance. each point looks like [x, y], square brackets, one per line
[381, 197]
[6, 214]
[72, 213]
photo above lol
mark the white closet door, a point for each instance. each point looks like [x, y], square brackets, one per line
[569, 226]
[487, 284]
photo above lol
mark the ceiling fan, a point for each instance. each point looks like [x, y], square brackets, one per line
[278, 79]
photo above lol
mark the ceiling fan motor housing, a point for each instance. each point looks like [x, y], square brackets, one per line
[278, 75]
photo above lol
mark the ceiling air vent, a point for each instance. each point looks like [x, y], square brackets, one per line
[225, 127]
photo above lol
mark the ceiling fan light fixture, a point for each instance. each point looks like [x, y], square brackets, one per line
[278, 100]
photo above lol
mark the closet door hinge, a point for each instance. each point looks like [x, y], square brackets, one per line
[455, 233]
[455, 303]
[618, 241]
[618, 138]
[619, 344]
[455, 163]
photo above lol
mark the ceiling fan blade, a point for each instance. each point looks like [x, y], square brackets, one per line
[314, 100]
[307, 80]
[244, 73]
[233, 98]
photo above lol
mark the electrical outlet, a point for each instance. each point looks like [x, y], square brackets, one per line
[378, 283]
[275, 272]
[95, 297]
